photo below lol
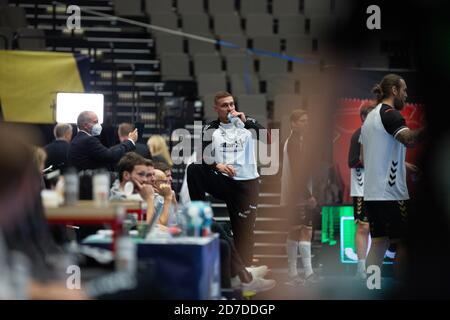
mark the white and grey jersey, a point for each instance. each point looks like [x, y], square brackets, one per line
[356, 168]
[357, 182]
[236, 147]
[384, 156]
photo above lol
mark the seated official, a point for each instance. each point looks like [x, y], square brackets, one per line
[165, 196]
[133, 168]
[164, 167]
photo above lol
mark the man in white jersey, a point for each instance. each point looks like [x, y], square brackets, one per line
[229, 171]
[384, 140]
[357, 193]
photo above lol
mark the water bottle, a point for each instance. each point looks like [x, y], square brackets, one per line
[100, 188]
[183, 221]
[236, 121]
[195, 221]
[207, 221]
[126, 249]
[71, 186]
[126, 255]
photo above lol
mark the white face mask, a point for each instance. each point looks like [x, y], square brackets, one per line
[96, 129]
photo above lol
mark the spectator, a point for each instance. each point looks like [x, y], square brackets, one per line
[87, 152]
[58, 150]
[124, 130]
[39, 158]
[159, 150]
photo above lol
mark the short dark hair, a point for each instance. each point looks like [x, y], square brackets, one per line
[383, 89]
[221, 94]
[149, 163]
[162, 166]
[128, 162]
[297, 114]
[125, 128]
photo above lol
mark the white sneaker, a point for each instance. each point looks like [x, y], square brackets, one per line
[258, 272]
[294, 280]
[360, 275]
[259, 285]
[313, 278]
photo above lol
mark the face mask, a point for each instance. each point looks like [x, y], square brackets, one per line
[96, 129]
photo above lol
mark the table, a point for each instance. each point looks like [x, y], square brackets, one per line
[85, 212]
[188, 267]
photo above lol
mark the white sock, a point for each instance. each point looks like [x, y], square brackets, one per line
[361, 268]
[292, 250]
[305, 252]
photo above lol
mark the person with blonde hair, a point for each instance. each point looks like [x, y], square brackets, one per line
[159, 150]
[40, 157]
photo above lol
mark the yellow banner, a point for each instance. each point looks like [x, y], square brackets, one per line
[29, 81]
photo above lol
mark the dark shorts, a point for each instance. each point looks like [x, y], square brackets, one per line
[388, 218]
[303, 216]
[360, 210]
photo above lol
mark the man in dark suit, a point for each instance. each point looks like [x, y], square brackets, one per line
[87, 152]
[58, 150]
[124, 130]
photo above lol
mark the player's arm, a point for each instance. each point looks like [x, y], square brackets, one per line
[395, 124]
[354, 160]
[361, 154]
[409, 137]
